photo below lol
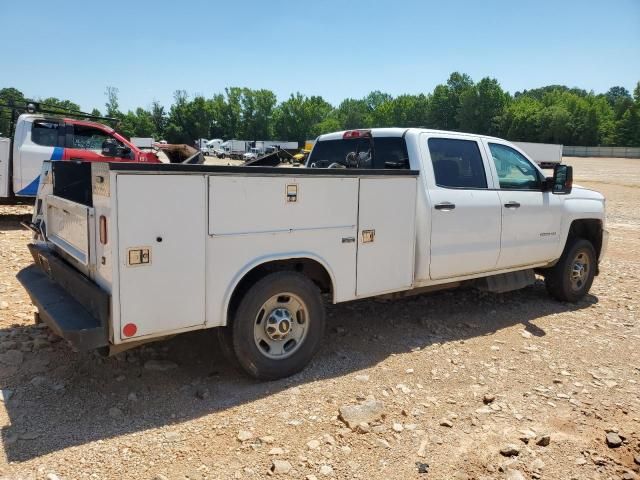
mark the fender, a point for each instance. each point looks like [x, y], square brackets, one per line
[585, 205]
[268, 259]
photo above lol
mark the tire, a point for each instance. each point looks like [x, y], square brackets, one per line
[570, 279]
[278, 326]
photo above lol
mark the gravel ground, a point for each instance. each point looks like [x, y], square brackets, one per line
[454, 385]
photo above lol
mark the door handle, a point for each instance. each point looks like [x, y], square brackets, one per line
[444, 206]
[512, 205]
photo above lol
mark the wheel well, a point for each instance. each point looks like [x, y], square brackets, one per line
[590, 229]
[313, 269]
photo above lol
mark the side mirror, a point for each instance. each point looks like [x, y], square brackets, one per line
[562, 179]
[123, 152]
[110, 148]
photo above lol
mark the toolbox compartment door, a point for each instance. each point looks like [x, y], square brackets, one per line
[386, 235]
[161, 254]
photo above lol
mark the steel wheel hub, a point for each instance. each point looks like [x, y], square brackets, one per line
[579, 271]
[280, 326]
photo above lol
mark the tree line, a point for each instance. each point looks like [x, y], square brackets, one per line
[551, 114]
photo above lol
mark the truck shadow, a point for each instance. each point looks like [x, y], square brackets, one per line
[12, 221]
[60, 398]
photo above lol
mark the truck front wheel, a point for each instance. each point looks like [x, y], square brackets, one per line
[278, 325]
[571, 278]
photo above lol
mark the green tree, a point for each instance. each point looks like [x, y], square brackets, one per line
[57, 105]
[159, 119]
[408, 111]
[11, 97]
[296, 118]
[627, 129]
[481, 107]
[353, 114]
[521, 119]
[555, 123]
[188, 120]
[615, 94]
[444, 104]
[257, 113]
[112, 106]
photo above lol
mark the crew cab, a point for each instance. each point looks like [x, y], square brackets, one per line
[38, 137]
[129, 253]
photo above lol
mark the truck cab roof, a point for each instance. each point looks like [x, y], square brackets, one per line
[396, 132]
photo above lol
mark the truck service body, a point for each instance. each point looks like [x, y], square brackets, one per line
[40, 137]
[130, 253]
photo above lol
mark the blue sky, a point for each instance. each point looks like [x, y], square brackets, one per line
[147, 49]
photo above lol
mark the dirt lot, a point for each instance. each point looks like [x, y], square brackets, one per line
[462, 377]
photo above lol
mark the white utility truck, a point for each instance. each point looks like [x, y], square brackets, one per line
[130, 253]
[547, 155]
[212, 147]
[234, 149]
[36, 137]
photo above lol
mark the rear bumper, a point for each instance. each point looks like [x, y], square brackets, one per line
[68, 302]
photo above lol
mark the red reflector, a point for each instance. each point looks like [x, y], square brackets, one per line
[103, 230]
[356, 134]
[129, 330]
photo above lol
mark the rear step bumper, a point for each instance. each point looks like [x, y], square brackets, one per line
[68, 302]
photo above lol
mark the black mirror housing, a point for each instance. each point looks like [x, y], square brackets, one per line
[123, 152]
[562, 179]
[109, 148]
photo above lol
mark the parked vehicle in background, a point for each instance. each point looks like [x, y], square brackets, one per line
[212, 147]
[36, 137]
[547, 155]
[260, 148]
[234, 149]
[157, 249]
[252, 154]
[201, 144]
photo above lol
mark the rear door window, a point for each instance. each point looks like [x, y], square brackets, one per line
[457, 163]
[388, 152]
[46, 133]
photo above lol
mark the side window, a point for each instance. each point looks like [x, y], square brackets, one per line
[390, 153]
[45, 133]
[514, 170]
[457, 163]
[89, 138]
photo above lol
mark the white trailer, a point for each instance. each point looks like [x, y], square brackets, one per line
[547, 155]
[281, 144]
[131, 253]
[143, 142]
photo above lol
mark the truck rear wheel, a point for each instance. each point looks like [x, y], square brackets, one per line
[571, 278]
[278, 325]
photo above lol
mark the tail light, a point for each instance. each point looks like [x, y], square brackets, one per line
[103, 229]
